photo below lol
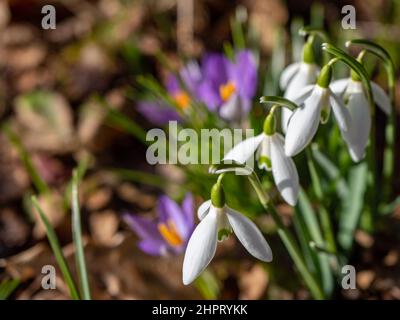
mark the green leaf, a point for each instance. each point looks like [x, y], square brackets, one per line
[7, 287]
[77, 238]
[309, 217]
[37, 180]
[55, 246]
[352, 206]
[208, 285]
[117, 119]
[332, 172]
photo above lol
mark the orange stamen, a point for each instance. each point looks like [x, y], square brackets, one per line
[182, 99]
[226, 90]
[170, 233]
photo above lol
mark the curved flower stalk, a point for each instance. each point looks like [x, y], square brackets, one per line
[296, 76]
[170, 232]
[229, 86]
[268, 147]
[315, 103]
[180, 92]
[353, 94]
[218, 221]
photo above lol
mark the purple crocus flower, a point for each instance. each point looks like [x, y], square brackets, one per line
[159, 112]
[229, 86]
[170, 232]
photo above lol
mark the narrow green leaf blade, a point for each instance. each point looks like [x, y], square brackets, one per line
[77, 237]
[55, 246]
[353, 204]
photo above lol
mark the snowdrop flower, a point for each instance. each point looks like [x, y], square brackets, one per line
[229, 86]
[217, 222]
[356, 101]
[295, 77]
[315, 103]
[269, 150]
[170, 232]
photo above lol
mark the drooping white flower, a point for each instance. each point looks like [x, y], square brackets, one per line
[295, 77]
[356, 101]
[217, 222]
[315, 103]
[269, 150]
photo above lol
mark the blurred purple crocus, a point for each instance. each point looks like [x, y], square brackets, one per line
[170, 232]
[158, 112]
[229, 86]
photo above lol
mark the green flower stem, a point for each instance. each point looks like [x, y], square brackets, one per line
[287, 239]
[324, 214]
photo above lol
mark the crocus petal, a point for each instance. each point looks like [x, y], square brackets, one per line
[187, 210]
[231, 109]
[169, 210]
[201, 248]
[381, 98]
[245, 73]
[249, 235]
[304, 123]
[288, 73]
[245, 149]
[284, 171]
[153, 247]
[338, 87]
[357, 136]
[340, 112]
[203, 209]
[143, 227]
[157, 112]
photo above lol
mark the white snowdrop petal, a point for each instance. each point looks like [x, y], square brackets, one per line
[249, 235]
[284, 171]
[302, 94]
[303, 124]
[381, 98]
[338, 87]
[357, 136]
[340, 112]
[287, 74]
[203, 209]
[306, 75]
[201, 247]
[245, 149]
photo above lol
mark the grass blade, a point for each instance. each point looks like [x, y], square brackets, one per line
[310, 220]
[55, 246]
[7, 287]
[77, 237]
[352, 207]
[37, 180]
[332, 172]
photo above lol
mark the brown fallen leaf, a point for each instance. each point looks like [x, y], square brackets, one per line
[365, 278]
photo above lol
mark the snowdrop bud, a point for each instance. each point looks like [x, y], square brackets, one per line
[325, 76]
[218, 195]
[270, 124]
[308, 53]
